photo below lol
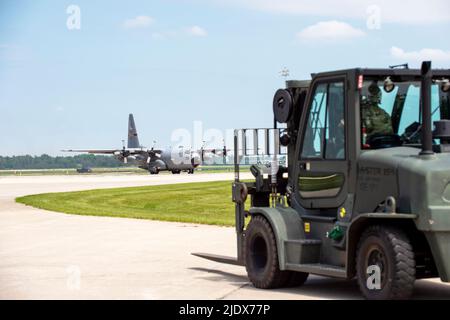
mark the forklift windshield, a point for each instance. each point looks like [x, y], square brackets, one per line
[391, 117]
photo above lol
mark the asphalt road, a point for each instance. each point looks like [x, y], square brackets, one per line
[47, 255]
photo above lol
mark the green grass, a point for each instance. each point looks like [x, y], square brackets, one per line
[203, 203]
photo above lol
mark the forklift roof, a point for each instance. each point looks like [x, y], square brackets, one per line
[383, 72]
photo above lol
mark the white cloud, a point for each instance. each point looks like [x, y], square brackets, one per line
[138, 22]
[196, 31]
[330, 31]
[399, 11]
[437, 55]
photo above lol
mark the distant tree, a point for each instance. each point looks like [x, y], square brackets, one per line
[48, 162]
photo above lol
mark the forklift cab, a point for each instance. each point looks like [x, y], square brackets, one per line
[321, 175]
[366, 183]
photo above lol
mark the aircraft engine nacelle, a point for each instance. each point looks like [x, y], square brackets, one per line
[161, 165]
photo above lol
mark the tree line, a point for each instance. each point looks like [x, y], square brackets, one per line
[48, 162]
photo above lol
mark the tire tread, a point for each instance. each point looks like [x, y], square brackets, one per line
[404, 261]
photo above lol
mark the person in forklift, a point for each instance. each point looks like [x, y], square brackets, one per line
[375, 120]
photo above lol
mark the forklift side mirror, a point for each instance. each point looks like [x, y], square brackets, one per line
[282, 105]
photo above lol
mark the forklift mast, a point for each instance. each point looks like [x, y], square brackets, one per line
[270, 154]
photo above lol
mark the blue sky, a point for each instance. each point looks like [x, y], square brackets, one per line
[174, 62]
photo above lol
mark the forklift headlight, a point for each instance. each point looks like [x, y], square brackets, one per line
[282, 106]
[285, 140]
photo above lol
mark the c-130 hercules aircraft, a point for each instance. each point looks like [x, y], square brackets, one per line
[155, 160]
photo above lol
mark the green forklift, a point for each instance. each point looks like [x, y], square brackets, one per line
[365, 188]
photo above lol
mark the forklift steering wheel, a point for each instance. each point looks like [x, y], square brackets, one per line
[384, 140]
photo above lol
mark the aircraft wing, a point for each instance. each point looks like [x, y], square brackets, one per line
[94, 151]
[217, 151]
[116, 151]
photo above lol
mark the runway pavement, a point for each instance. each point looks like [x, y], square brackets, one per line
[47, 255]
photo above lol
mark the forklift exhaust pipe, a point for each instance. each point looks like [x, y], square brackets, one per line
[427, 134]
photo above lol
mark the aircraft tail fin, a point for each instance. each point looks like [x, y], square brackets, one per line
[133, 140]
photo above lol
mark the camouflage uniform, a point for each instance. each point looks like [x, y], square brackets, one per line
[374, 119]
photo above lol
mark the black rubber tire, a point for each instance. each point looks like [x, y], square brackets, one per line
[296, 279]
[261, 256]
[393, 248]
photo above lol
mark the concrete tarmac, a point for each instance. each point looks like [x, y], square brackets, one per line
[48, 255]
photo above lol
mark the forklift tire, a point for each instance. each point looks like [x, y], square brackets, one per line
[296, 279]
[261, 256]
[389, 249]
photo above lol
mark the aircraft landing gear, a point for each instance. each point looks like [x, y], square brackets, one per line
[191, 171]
[176, 171]
[153, 171]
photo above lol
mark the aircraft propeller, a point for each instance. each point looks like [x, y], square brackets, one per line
[153, 153]
[217, 152]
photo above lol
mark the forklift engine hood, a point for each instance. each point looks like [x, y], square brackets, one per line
[420, 185]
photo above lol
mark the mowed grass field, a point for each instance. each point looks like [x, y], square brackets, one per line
[203, 203]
